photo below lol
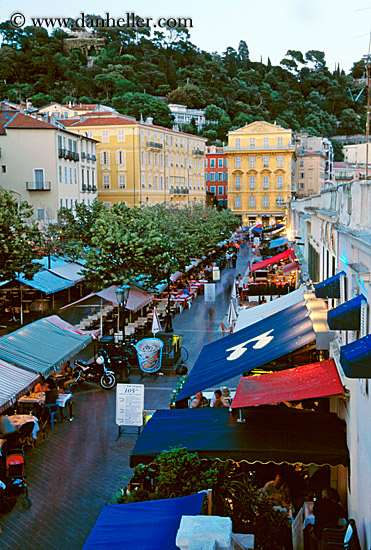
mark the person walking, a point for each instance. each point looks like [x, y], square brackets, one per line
[234, 260]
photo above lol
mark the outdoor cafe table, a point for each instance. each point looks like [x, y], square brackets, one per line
[39, 398]
[18, 420]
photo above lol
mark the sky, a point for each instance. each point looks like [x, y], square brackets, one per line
[340, 28]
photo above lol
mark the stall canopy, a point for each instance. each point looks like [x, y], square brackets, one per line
[14, 382]
[306, 382]
[355, 358]
[268, 434]
[53, 261]
[136, 301]
[249, 348]
[46, 282]
[347, 316]
[278, 242]
[42, 346]
[71, 272]
[329, 288]
[143, 525]
[274, 259]
[293, 266]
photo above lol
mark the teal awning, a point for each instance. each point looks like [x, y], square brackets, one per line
[42, 346]
[46, 282]
[347, 316]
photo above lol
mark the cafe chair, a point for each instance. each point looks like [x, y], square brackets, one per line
[44, 426]
[342, 537]
[53, 409]
[26, 435]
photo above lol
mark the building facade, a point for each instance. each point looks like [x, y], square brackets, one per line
[71, 110]
[335, 229]
[309, 172]
[345, 172]
[261, 179]
[216, 173]
[46, 165]
[182, 115]
[140, 163]
[323, 146]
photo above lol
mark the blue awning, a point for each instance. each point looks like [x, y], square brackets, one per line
[249, 348]
[54, 261]
[355, 358]
[42, 346]
[278, 242]
[46, 282]
[145, 525]
[72, 272]
[329, 288]
[347, 316]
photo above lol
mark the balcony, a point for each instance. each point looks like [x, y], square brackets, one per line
[198, 152]
[258, 148]
[83, 156]
[94, 189]
[38, 185]
[154, 145]
[181, 191]
[62, 153]
[93, 158]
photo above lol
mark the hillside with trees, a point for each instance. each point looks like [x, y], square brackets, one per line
[138, 74]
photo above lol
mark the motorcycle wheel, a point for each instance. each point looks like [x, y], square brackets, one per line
[107, 381]
[79, 373]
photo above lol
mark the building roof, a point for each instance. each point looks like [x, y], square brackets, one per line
[344, 165]
[81, 106]
[20, 120]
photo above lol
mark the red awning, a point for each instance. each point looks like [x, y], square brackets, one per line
[290, 267]
[307, 382]
[269, 261]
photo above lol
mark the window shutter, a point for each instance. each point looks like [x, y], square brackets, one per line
[117, 157]
[101, 158]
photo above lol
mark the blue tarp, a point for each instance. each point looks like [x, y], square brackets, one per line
[150, 525]
[278, 242]
[249, 348]
[355, 358]
[41, 346]
[347, 316]
[329, 288]
[46, 282]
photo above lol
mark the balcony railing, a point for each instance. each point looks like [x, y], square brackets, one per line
[83, 156]
[154, 145]
[198, 152]
[62, 153]
[38, 185]
[181, 191]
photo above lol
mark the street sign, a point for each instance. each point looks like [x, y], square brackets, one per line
[216, 274]
[209, 292]
[129, 404]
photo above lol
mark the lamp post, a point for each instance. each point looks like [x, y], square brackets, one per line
[169, 325]
[122, 295]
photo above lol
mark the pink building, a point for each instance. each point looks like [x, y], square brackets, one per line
[216, 173]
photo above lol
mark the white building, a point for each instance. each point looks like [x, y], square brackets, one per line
[335, 229]
[183, 115]
[46, 164]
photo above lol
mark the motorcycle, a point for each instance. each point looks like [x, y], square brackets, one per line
[118, 364]
[97, 372]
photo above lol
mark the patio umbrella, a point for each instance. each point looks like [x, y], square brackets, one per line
[232, 315]
[234, 291]
[156, 325]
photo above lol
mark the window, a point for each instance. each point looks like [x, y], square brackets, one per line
[280, 142]
[143, 180]
[238, 143]
[302, 175]
[226, 162]
[60, 174]
[71, 205]
[226, 176]
[121, 136]
[266, 143]
[38, 175]
[238, 162]
[161, 182]
[237, 202]
[207, 176]
[106, 181]
[66, 203]
[205, 163]
[252, 182]
[265, 201]
[149, 180]
[41, 213]
[120, 157]
[220, 176]
[265, 182]
[3, 169]
[105, 138]
[212, 176]
[104, 157]
[88, 178]
[60, 203]
[301, 163]
[280, 161]
[70, 175]
[75, 175]
[252, 162]
[65, 175]
[220, 190]
[212, 189]
[279, 201]
[252, 143]
[279, 181]
[74, 146]
[220, 163]
[265, 161]
[82, 177]
[69, 144]
[122, 181]
[59, 142]
[252, 201]
[92, 178]
[237, 182]
[212, 163]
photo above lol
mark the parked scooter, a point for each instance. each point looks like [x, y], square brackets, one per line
[118, 363]
[98, 372]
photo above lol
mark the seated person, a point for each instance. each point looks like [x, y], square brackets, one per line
[67, 372]
[327, 511]
[278, 492]
[199, 401]
[51, 395]
[218, 400]
[42, 386]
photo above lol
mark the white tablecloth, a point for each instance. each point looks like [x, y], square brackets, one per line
[19, 419]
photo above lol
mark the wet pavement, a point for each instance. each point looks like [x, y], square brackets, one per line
[72, 476]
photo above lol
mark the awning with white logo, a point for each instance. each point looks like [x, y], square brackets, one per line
[249, 348]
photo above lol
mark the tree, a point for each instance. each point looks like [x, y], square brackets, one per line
[338, 150]
[137, 104]
[18, 238]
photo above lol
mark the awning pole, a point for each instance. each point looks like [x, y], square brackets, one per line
[101, 317]
[209, 501]
[21, 313]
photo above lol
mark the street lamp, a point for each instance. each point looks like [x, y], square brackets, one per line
[169, 325]
[122, 295]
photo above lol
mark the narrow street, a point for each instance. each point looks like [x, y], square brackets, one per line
[79, 470]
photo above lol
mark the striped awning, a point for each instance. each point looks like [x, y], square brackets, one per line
[14, 382]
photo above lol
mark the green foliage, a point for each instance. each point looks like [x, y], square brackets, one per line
[338, 150]
[18, 237]
[177, 472]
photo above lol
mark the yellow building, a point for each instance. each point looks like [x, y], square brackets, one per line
[140, 163]
[261, 164]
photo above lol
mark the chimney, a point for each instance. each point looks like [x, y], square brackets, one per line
[149, 121]
[70, 104]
